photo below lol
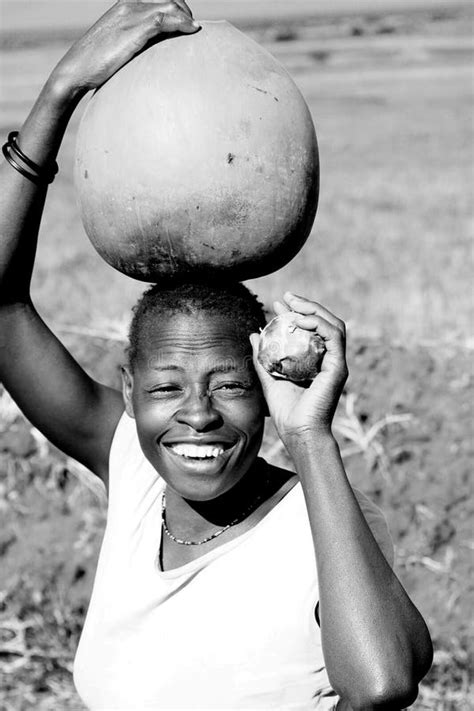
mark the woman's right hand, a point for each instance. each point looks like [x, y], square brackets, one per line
[117, 37]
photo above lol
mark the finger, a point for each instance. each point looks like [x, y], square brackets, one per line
[334, 339]
[334, 358]
[185, 7]
[319, 324]
[174, 7]
[179, 22]
[166, 6]
[279, 308]
[168, 19]
[305, 306]
[148, 20]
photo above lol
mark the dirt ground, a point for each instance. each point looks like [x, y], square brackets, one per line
[391, 96]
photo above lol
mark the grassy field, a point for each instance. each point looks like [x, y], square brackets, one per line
[391, 253]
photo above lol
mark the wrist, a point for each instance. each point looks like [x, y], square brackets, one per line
[42, 133]
[61, 90]
[317, 458]
[309, 440]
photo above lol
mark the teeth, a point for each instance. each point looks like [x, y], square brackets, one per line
[197, 451]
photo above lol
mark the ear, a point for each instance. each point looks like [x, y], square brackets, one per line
[127, 389]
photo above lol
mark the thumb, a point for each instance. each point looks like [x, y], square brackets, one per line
[265, 378]
[180, 22]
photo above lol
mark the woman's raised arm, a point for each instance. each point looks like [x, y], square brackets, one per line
[376, 645]
[77, 414]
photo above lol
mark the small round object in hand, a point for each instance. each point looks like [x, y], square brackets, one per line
[289, 352]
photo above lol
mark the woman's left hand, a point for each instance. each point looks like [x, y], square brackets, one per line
[298, 410]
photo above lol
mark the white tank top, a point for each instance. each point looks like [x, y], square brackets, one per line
[234, 629]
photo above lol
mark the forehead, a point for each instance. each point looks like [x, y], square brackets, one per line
[203, 340]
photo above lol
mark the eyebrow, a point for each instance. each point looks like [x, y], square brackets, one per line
[223, 369]
[217, 368]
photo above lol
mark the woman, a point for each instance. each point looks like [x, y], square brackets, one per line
[223, 582]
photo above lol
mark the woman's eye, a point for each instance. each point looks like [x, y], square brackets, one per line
[231, 388]
[164, 390]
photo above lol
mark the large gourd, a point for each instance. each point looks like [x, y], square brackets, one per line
[198, 156]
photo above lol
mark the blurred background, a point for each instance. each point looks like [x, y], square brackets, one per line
[389, 84]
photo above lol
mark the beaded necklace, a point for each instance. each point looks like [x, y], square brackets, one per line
[252, 507]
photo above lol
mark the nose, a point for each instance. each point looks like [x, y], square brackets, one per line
[199, 412]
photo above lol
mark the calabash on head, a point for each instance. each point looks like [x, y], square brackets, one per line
[199, 155]
[289, 352]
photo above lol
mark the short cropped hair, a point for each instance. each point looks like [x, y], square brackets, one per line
[230, 300]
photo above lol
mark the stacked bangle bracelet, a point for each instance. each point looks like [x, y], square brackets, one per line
[36, 173]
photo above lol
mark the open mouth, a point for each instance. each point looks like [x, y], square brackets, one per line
[199, 452]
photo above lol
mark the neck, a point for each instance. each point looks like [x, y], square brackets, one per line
[194, 519]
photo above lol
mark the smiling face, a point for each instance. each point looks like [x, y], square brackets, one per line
[197, 402]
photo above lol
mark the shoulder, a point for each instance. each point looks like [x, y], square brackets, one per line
[130, 472]
[288, 487]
